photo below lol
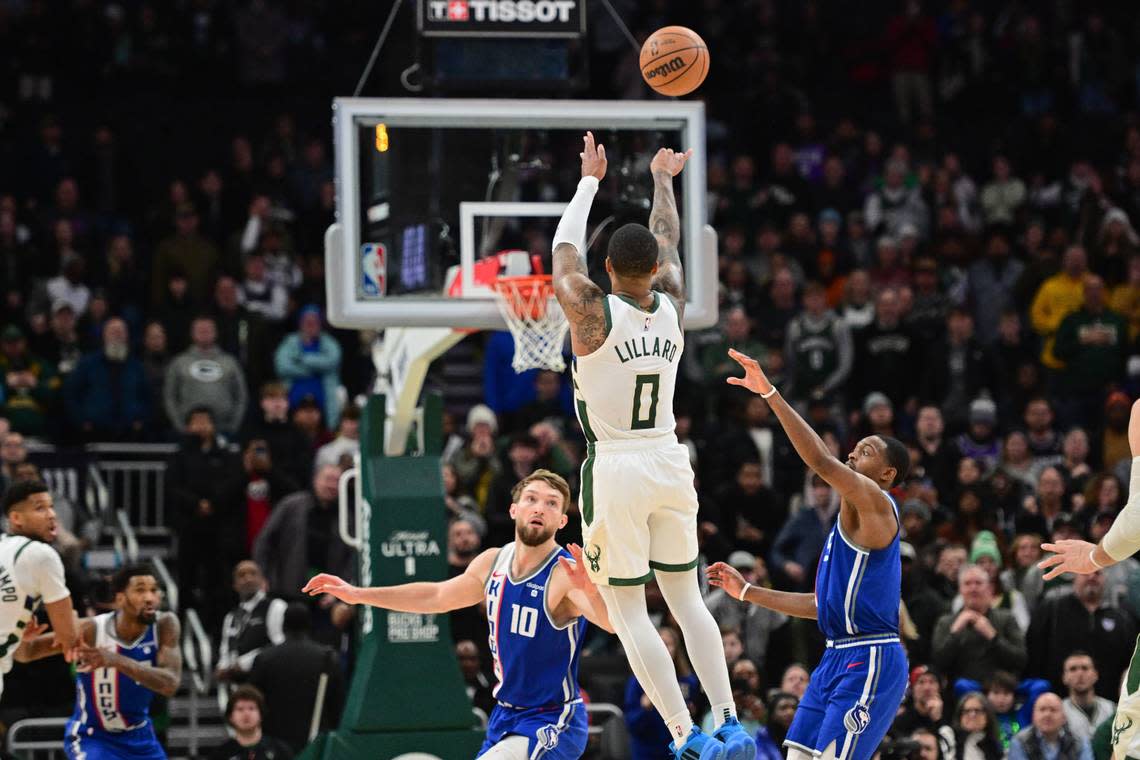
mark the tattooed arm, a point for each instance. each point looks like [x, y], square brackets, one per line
[579, 296]
[665, 223]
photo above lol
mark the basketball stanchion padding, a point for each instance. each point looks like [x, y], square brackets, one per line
[534, 319]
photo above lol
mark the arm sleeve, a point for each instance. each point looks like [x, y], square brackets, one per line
[1123, 538]
[572, 225]
[41, 572]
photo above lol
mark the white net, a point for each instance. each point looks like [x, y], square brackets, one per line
[535, 320]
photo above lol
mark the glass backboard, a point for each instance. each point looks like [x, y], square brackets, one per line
[436, 198]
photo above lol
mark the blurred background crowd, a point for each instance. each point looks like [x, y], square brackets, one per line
[927, 218]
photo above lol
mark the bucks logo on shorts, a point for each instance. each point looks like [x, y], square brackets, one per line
[857, 719]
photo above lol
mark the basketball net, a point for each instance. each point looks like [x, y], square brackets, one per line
[538, 325]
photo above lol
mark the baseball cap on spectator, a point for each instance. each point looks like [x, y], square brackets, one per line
[1117, 398]
[983, 412]
[875, 398]
[918, 671]
[915, 507]
[906, 551]
[830, 215]
[309, 401]
[985, 545]
[481, 413]
[742, 560]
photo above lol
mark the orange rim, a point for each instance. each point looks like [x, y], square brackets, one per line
[518, 292]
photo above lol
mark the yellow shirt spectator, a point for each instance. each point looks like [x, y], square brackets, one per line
[1125, 298]
[1058, 297]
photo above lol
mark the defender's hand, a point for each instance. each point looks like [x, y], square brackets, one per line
[669, 160]
[576, 570]
[324, 583]
[754, 378]
[1069, 556]
[593, 158]
[727, 578]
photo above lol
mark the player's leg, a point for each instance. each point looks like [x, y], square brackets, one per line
[1126, 721]
[508, 748]
[864, 701]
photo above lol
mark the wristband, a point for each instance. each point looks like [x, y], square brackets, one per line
[744, 591]
[1092, 559]
[769, 394]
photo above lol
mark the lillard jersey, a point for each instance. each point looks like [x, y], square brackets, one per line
[30, 573]
[106, 700]
[857, 591]
[535, 661]
[624, 390]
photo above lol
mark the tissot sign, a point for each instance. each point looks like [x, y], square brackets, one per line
[502, 18]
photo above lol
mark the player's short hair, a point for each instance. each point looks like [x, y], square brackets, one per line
[19, 492]
[552, 479]
[122, 577]
[632, 250]
[897, 457]
[246, 693]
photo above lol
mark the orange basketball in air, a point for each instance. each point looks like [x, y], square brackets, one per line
[674, 60]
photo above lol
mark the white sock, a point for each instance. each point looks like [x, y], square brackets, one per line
[647, 655]
[723, 712]
[679, 726]
[702, 637]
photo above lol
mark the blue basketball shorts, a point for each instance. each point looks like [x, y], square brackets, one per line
[80, 743]
[552, 733]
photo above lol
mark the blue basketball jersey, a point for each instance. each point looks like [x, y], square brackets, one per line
[106, 701]
[857, 591]
[535, 661]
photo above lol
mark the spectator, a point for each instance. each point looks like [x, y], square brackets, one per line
[309, 422]
[69, 286]
[522, 454]
[795, 680]
[756, 624]
[991, 283]
[289, 673]
[301, 536]
[911, 38]
[107, 396]
[1084, 710]
[188, 253]
[975, 734]
[308, 361]
[745, 680]
[1114, 440]
[460, 505]
[347, 441]
[1040, 512]
[894, 205]
[1092, 342]
[1001, 693]
[260, 295]
[980, 441]
[205, 376]
[924, 709]
[648, 735]
[1003, 196]
[290, 448]
[155, 361]
[553, 400]
[243, 714]
[464, 542]
[929, 744]
[248, 497]
[255, 623]
[194, 480]
[857, 307]
[1058, 297]
[959, 368]
[479, 688]
[475, 463]
[798, 545]
[938, 457]
[886, 353]
[818, 348]
[242, 333]
[749, 514]
[979, 639]
[60, 345]
[770, 737]
[30, 387]
[1048, 736]
[985, 552]
[1081, 619]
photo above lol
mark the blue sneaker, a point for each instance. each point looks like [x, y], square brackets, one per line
[738, 745]
[699, 746]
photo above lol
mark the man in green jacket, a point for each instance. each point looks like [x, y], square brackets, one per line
[1093, 343]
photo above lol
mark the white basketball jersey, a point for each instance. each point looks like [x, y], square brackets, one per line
[31, 573]
[624, 390]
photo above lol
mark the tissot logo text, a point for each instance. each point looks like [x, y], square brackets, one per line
[500, 11]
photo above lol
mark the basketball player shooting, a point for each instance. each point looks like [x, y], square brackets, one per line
[855, 692]
[534, 639]
[638, 503]
[1082, 557]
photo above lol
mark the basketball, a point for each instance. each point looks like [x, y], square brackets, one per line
[674, 60]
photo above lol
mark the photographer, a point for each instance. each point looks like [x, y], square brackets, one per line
[924, 709]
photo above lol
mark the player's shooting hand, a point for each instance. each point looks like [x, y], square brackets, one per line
[326, 583]
[669, 160]
[593, 158]
[576, 569]
[1069, 556]
[726, 577]
[754, 378]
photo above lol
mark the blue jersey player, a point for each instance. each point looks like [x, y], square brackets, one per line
[124, 658]
[855, 692]
[537, 602]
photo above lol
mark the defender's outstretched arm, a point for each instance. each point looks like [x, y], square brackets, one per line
[1122, 539]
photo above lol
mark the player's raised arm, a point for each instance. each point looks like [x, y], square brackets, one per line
[861, 492]
[581, 591]
[1122, 539]
[579, 296]
[453, 594]
[665, 223]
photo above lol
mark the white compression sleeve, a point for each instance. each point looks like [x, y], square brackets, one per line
[572, 225]
[1123, 538]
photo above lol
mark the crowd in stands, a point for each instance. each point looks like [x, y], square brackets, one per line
[927, 220]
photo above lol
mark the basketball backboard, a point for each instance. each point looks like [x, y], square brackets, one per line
[438, 197]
